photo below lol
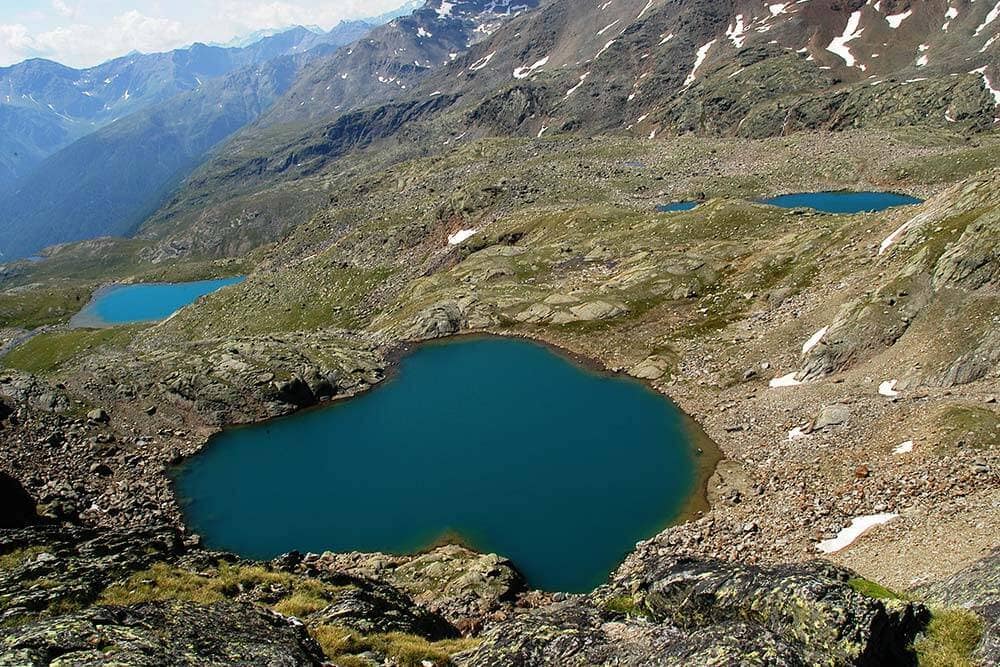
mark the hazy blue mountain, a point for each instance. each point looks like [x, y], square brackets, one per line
[107, 182]
[44, 106]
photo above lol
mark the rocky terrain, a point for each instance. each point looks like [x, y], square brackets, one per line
[71, 595]
[843, 369]
[707, 306]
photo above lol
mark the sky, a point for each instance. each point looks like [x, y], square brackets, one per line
[81, 33]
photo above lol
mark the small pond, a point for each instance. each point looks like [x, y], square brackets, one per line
[676, 206]
[126, 304]
[500, 444]
[843, 201]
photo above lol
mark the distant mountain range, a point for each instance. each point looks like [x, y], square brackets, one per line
[44, 106]
[458, 70]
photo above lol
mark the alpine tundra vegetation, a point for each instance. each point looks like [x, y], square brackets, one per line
[352, 346]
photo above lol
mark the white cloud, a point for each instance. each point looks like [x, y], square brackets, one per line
[81, 34]
[63, 9]
[81, 45]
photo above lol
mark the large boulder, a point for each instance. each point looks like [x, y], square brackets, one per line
[705, 612]
[162, 633]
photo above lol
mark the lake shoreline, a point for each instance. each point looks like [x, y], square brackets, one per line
[705, 454]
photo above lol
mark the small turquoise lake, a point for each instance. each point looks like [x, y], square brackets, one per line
[126, 304]
[676, 206]
[843, 202]
[501, 444]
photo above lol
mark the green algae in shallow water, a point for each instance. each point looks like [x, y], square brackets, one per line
[515, 448]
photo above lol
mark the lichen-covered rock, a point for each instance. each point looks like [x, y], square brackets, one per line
[383, 609]
[162, 633]
[461, 585]
[703, 612]
[53, 568]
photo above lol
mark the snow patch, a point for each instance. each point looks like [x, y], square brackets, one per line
[777, 8]
[859, 526]
[737, 32]
[481, 63]
[583, 77]
[851, 32]
[460, 235]
[608, 27]
[699, 59]
[604, 48]
[445, 10]
[896, 20]
[888, 388]
[989, 85]
[904, 448]
[525, 72]
[915, 221]
[785, 381]
[814, 341]
[990, 18]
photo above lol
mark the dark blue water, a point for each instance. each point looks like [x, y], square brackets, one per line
[502, 442]
[843, 202]
[148, 303]
[675, 206]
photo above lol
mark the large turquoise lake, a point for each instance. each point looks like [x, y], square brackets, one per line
[501, 443]
[843, 202]
[126, 304]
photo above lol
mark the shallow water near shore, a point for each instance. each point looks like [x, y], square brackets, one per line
[127, 304]
[514, 448]
[843, 202]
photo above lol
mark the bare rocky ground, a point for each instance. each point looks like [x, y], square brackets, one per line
[707, 306]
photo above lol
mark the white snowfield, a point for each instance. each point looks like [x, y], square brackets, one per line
[851, 32]
[904, 448]
[859, 526]
[785, 381]
[699, 59]
[460, 235]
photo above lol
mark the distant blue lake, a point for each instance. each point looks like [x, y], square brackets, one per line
[502, 443]
[843, 202]
[673, 207]
[127, 304]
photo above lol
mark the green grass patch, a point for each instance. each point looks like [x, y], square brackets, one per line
[974, 427]
[14, 559]
[626, 605]
[342, 644]
[46, 353]
[32, 308]
[950, 639]
[872, 590]
[300, 596]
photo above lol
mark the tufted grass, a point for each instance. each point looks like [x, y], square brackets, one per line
[342, 645]
[165, 582]
[950, 639]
